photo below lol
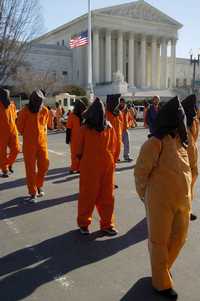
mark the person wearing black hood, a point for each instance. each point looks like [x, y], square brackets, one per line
[114, 115]
[8, 134]
[95, 152]
[32, 124]
[163, 182]
[190, 107]
[73, 126]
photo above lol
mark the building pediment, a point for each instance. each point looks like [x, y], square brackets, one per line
[140, 10]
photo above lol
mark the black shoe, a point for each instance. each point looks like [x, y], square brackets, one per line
[10, 169]
[84, 231]
[116, 186]
[110, 231]
[193, 217]
[169, 293]
[118, 160]
[128, 159]
[5, 174]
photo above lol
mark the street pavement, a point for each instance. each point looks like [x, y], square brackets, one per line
[43, 256]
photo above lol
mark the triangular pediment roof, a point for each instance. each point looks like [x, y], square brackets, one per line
[139, 10]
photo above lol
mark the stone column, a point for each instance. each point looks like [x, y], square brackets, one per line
[154, 65]
[131, 61]
[143, 62]
[173, 62]
[108, 76]
[96, 58]
[163, 70]
[120, 52]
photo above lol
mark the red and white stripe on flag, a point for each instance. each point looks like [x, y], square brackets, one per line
[79, 40]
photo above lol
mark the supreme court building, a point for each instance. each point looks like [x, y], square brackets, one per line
[133, 46]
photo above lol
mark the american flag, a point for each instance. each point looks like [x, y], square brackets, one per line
[79, 40]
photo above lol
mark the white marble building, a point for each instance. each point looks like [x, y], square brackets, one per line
[134, 39]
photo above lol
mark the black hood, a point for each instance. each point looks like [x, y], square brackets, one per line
[36, 100]
[79, 108]
[5, 97]
[94, 117]
[190, 107]
[112, 104]
[170, 120]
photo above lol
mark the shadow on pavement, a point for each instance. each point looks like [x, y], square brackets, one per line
[51, 175]
[142, 291]
[34, 266]
[19, 206]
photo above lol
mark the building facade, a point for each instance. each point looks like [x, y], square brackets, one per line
[134, 40]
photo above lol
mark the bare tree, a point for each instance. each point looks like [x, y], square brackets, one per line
[20, 22]
[28, 80]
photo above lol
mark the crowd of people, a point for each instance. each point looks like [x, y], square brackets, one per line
[165, 172]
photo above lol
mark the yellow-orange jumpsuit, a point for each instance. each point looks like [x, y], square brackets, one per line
[8, 137]
[163, 181]
[33, 128]
[193, 152]
[117, 125]
[51, 120]
[58, 117]
[74, 124]
[96, 176]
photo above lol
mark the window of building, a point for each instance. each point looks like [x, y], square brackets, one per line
[63, 42]
[65, 73]
[58, 43]
[177, 82]
[77, 74]
[185, 82]
[169, 82]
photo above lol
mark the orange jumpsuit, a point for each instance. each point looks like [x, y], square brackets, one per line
[33, 127]
[96, 176]
[116, 122]
[73, 123]
[8, 137]
[145, 117]
[193, 152]
[163, 181]
[51, 120]
[58, 117]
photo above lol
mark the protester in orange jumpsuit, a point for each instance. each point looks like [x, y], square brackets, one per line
[32, 124]
[51, 118]
[127, 121]
[72, 133]
[59, 114]
[190, 107]
[114, 115]
[163, 182]
[8, 134]
[97, 139]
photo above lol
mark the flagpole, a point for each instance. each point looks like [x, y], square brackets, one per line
[90, 84]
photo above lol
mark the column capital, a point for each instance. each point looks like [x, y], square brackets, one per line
[143, 37]
[174, 41]
[154, 39]
[108, 31]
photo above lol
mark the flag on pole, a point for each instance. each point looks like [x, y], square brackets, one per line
[79, 40]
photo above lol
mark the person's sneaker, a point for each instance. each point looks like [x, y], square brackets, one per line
[116, 186]
[118, 160]
[128, 159]
[10, 169]
[170, 293]
[110, 231]
[84, 231]
[33, 199]
[5, 174]
[193, 217]
[40, 192]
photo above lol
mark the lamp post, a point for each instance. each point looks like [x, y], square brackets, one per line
[195, 61]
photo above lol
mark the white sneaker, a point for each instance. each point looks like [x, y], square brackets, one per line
[40, 192]
[33, 199]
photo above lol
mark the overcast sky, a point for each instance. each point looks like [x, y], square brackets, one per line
[187, 12]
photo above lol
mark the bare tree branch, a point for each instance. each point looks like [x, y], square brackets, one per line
[20, 22]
